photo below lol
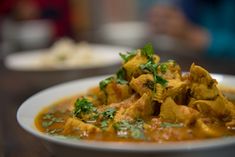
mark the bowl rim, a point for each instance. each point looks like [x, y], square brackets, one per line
[121, 146]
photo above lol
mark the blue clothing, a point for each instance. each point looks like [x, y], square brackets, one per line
[218, 17]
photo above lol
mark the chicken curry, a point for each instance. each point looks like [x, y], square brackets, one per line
[146, 100]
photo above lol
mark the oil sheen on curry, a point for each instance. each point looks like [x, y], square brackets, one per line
[145, 101]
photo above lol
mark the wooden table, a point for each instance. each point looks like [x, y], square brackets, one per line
[15, 87]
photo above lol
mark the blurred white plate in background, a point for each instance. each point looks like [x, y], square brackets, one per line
[102, 56]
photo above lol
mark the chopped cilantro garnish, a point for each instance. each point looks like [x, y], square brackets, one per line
[149, 66]
[104, 124]
[163, 68]
[105, 82]
[171, 125]
[47, 116]
[109, 113]
[126, 57]
[46, 124]
[82, 105]
[147, 51]
[152, 68]
[103, 85]
[49, 119]
[121, 76]
[139, 123]
[135, 129]
[160, 80]
[122, 125]
[137, 133]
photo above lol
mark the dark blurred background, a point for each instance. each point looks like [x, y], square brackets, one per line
[195, 29]
[199, 31]
[180, 27]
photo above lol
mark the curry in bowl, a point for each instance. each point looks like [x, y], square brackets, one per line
[145, 101]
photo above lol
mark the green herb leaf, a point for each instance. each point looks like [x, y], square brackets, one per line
[160, 80]
[147, 51]
[139, 123]
[46, 124]
[137, 133]
[134, 129]
[104, 124]
[109, 113]
[170, 125]
[121, 74]
[82, 105]
[163, 68]
[105, 82]
[126, 57]
[122, 125]
[152, 68]
[49, 119]
[47, 116]
[149, 66]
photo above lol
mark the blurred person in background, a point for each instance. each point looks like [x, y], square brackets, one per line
[206, 26]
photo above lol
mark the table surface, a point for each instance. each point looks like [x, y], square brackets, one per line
[16, 86]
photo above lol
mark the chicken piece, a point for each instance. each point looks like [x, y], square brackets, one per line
[172, 112]
[132, 66]
[117, 92]
[76, 126]
[125, 103]
[159, 93]
[207, 99]
[169, 70]
[142, 84]
[142, 108]
[202, 84]
[220, 108]
[174, 88]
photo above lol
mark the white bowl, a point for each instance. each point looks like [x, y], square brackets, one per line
[71, 147]
[131, 33]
